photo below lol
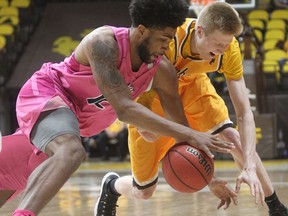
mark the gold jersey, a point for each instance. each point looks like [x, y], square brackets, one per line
[180, 54]
[204, 108]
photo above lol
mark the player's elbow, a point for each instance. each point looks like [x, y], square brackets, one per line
[122, 115]
[125, 113]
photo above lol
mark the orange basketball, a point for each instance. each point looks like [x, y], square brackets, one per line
[187, 169]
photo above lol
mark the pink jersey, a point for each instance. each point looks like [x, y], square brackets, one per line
[71, 84]
[18, 159]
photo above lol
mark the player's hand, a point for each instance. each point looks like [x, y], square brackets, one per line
[224, 192]
[207, 142]
[249, 177]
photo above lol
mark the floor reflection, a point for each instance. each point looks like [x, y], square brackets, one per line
[79, 194]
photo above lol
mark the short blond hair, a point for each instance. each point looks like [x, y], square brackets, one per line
[220, 16]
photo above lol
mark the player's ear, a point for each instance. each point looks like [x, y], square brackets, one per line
[142, 30]
[200, 31]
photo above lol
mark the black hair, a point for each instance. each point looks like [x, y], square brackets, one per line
[158, 13]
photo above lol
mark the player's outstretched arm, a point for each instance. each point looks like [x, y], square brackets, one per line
[239, 96]
[100, 51]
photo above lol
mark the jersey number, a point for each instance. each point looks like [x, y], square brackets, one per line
[97, 101]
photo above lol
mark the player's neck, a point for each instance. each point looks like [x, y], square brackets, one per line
[134, 56]
[193, 48]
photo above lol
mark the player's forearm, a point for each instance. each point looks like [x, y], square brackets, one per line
[247, 133]
[175, 112]
[143, 118]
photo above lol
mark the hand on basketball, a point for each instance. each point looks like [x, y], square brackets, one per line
[207, 142]
[224, 192]
[249, 177]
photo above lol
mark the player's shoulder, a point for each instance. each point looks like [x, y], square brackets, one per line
[234, 44]
[100, 39]
[101, 33]
[233, 48]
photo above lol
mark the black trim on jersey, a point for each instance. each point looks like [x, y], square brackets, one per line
[188, 33]
[176, 49]
[223, 127]
[212, 61]
[220, 62]
[97, 101]
[145, 186]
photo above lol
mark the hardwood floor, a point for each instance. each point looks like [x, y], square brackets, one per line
[79, 194]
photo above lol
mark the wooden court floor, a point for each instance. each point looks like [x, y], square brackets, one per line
[79, 194]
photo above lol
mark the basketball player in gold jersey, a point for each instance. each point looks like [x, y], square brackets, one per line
[201, 46]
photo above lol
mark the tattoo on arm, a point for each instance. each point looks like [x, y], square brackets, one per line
[105, 60]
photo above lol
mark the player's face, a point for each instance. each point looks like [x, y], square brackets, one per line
[215, 43]
[155, 44]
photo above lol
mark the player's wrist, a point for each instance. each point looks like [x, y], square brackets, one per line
[250, 167]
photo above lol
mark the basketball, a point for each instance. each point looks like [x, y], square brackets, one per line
[187, 169]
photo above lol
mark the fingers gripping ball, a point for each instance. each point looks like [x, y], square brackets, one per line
[187, 169]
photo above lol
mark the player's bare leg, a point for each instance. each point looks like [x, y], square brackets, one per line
[65, 156]
[5, 195]
[125, 187]
[113, 187]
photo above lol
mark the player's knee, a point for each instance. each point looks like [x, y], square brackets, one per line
[5, 195]
[69, 148]
[76, 152]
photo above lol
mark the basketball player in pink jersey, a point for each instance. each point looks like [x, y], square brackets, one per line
[18, 159]
[98, 83]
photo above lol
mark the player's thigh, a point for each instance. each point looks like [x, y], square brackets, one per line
[145, 156]
[55, 125]
[205, 109]
[5, 195]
